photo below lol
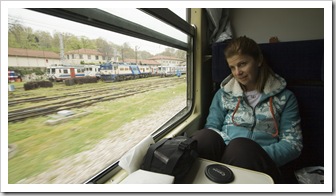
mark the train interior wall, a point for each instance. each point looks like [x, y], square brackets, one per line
[291, 24]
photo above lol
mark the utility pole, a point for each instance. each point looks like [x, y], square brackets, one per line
[61, 48]
[136, 54]
[115, 55]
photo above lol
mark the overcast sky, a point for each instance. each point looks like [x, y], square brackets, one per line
[38, 21]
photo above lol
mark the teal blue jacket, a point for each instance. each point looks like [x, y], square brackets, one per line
[274, 123]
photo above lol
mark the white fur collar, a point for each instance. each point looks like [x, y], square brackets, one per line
[273, 85]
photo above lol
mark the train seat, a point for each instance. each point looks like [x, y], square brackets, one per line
[301, 63]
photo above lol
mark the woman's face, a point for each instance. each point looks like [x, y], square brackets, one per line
[245, 70]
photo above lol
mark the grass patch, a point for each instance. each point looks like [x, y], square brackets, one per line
[39, 146]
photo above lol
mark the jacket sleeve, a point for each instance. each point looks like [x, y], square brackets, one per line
[290, 135]
[217, 113]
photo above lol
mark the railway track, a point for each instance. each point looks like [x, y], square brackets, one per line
[79, 99]
[104, 89]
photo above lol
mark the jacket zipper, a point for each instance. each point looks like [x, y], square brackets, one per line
[254, 121]
[254, 117]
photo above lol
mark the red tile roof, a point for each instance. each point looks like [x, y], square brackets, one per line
[165, 58]
[32, 53]
[143, 61]
[85, 51]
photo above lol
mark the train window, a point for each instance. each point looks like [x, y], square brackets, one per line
[148, 21]
[87, 128]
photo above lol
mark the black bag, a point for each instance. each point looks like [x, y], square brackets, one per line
[172, 156]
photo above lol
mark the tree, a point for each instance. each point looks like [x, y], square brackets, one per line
[87, 43]
[44, 40]
[104, 47]
[16, 33]
[127, 52]
[21, 36]
[71, 42]
[144, 55]
[181, 54]
[168, 52]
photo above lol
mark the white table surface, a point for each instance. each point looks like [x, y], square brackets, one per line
[196, 175]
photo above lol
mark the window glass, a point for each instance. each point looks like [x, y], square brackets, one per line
[89, 125]
[146, 20]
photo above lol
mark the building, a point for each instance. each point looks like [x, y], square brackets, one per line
[19, 57]
[142, 62]
[167, 60]
[84, 56]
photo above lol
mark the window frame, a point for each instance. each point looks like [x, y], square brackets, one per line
[104, 20]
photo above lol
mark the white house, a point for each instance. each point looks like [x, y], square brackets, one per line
[142, 62]
[167, 60]
[18, 57]
[86, 56]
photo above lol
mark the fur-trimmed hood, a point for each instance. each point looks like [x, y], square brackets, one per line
[274, 85]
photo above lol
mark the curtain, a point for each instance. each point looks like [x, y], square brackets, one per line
[219, 24]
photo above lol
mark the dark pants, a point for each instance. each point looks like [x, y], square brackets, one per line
[240, 152]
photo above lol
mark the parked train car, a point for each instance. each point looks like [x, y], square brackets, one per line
[119, 71]
[154, 70]
[61, 72]
[92, 70]
[145, 71]
[171, 70]
[12, 76]
[299, 59]
[180, 70]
